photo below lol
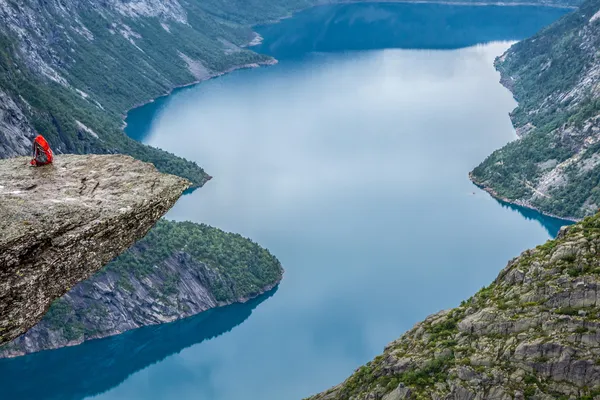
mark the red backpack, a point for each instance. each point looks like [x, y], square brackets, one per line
[42, 153]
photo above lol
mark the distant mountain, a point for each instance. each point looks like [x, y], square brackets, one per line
[555, 77]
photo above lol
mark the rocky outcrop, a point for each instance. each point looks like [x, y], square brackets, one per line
[534, 333]
[62, 222]
[170, 274]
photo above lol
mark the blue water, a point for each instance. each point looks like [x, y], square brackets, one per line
[349, 161]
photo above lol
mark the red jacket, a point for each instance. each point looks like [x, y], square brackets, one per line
[42, 153]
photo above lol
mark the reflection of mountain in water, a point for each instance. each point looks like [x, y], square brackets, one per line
[408, 26]
[98, 365]
[551, 224]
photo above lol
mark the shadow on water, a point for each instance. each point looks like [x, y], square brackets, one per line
[65, 373]
[393, 25]
[551, 224]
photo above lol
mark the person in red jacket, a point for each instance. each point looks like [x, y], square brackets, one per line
[42, 153]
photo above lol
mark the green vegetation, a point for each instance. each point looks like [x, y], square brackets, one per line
[544, 73]
[59, 312]
[232, 267]
[242, 267]
[54, 111]
[476, 345]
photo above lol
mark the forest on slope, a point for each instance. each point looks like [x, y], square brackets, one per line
[555, 165]
[179, 269]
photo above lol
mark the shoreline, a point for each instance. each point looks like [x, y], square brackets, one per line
[241, 300]
[273, 61]
[519, 203]
[507, 83]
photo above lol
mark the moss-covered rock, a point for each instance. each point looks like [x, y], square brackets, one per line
[533, 333]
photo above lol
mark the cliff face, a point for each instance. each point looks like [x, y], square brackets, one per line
[532, 334]
[74, 68]
[555, 77]
[62, 222]
[16, 133]
[177, 270]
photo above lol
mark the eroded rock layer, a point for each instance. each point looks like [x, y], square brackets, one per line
[62, 222]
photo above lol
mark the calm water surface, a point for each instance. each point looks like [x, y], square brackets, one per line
[349, 161]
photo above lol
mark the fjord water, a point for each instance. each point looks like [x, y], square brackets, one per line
[349, 161]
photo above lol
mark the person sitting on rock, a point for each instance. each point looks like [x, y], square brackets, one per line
[42, 153]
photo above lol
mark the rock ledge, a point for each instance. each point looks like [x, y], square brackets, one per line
[62, 222]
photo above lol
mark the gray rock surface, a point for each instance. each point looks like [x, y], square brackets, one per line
[62, 222]
[534, 333]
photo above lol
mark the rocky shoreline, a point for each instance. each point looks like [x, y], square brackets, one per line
[519, 203]
[213, 75]
[28, 348]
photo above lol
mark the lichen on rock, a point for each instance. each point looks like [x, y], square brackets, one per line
[534, 333]
[62, 222]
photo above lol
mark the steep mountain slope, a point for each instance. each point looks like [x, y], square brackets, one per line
[179, 269]
[555, 77]
[73, 68]
[30, 101]
[532, 334]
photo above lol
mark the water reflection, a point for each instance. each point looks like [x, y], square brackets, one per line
[400, 25]
[551, 224]
[96, 366]
[352, 168]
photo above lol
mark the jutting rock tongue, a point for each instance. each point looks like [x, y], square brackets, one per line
[62, 222]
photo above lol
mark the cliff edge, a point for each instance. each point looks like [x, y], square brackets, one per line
[177, 270]
[534, 333]
[62, 222]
